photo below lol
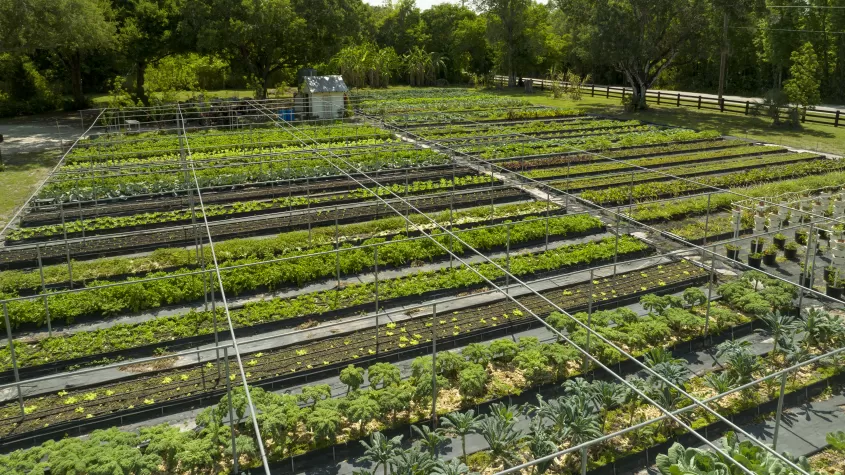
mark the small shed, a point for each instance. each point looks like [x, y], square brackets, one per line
[323, 96]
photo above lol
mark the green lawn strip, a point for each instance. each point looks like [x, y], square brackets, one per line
[172, 384]
[653, 136]
[22, 174]
[161, 330]
[746, 152]
[268, 248]
[727, 164]
[104, 223]
[672, 188]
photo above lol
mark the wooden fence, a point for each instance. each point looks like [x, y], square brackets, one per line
[834, 117]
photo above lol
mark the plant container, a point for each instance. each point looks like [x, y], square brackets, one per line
[770, 259]
[828, 273]
[779, 242]
[834, 291]
[801, 237]
[733, 254]
[804, 281]
[756, 247]
[755, 262]
[790, 254]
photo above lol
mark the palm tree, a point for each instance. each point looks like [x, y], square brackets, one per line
[380, 450]
[461, 424]
[503, 438]
[779, 325]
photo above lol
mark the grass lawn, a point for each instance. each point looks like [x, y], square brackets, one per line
[23, 173]
[821, 138]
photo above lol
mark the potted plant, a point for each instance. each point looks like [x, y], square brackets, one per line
[757, 245]
[801, 236]
[779, 240]
[790, 250]
[770, 256]
[829, 272]
[834, 288]
[732, 251]
[823, 234]
[805, 279]
[755, 259]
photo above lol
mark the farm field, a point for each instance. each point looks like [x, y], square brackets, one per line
[435, 255]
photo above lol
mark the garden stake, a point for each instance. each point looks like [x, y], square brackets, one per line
[804, 271]
[12, 353]
[780, 410]
[434, 366]
[232, 414]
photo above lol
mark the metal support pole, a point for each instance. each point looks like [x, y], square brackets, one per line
[508, 258]
[616, 244]
[337, 249]
[707, 217]
[44, 289]
[780, 411]
[491, 192]
[631, 196]
[434, 366]
[584, 461]
[67, 244]
[12, 353]
[709, 292]
[232, 413]
[586, 361]
[375, 260]
[548, 205]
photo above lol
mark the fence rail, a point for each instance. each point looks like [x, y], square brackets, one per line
[832, 117]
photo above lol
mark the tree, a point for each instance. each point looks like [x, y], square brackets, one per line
[265, 36]
[639, 38]
[505, 26]
[70, 28]
[147, 32]
[461, 424]
[802, 88]
[352, 377]
[380, 450]
[385, 374]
